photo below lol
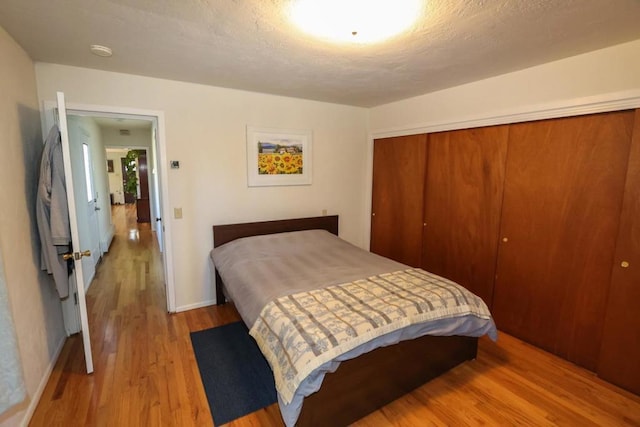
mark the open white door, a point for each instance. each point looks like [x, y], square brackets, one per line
[79, 247]
[157, 207]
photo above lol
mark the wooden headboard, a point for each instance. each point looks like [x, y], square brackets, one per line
[228, 232]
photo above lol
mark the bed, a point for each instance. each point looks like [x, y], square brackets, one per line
[367, 376]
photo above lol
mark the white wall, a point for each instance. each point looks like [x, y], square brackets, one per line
[138, 138]
[569, 81]
[206, 132]
[34, 302]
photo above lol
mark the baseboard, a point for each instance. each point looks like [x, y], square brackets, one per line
[107, 238]
[196, 305]
[35, 399]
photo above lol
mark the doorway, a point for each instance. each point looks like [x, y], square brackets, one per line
[131, 168]
[156, 159]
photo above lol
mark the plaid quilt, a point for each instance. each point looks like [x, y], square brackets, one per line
[300, 332]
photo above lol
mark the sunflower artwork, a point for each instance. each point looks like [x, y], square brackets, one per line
[278, 157]
[282, 157]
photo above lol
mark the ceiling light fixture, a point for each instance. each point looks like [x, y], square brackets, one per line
[355, 21]
[99, 50]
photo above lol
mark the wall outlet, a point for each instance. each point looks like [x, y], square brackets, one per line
[177, 213]
[324, 212]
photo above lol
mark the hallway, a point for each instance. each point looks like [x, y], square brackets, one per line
[145, 372]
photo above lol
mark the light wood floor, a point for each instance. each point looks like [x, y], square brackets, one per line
[146, 374]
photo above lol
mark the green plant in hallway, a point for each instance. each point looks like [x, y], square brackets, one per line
[131, 179]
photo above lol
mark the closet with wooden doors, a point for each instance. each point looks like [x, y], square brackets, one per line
[451, 224]
[399, 166]
[619, 360]
[463, 194]
[540, 219]
[562, 199]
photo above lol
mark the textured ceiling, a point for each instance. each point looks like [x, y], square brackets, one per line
[251, 45]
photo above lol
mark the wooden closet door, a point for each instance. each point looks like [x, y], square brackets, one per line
[463, 199]
[397, 201]
[619, 360]
[562, 200]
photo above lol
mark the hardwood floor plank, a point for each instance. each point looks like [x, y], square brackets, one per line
[146, 373]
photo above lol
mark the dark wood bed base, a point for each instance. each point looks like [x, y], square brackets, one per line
[361, 385]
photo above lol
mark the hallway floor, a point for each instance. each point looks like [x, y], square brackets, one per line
[144, 369]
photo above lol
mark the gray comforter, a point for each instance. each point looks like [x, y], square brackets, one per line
[259, 269]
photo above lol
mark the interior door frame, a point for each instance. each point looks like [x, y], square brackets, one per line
[158, 120]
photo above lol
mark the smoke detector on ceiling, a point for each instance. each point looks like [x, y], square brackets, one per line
[99, 50]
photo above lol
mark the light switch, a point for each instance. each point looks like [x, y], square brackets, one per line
[177, 213]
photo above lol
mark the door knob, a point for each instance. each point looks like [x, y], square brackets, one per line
[76, 255]
[624, 264]
[96, 208]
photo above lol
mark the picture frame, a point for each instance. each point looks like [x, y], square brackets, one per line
[109, 166]
[278, 157]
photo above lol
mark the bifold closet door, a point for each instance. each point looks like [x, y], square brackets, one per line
[619, 360]
[562, 200]
[463, 198]
[397, 199]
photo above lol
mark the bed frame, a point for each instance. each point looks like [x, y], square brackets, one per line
[361, 385]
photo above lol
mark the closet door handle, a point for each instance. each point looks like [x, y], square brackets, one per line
[624, 264]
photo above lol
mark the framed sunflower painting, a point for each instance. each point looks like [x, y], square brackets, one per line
[278, 157]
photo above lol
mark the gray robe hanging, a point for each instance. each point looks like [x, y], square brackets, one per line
[52, 212]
